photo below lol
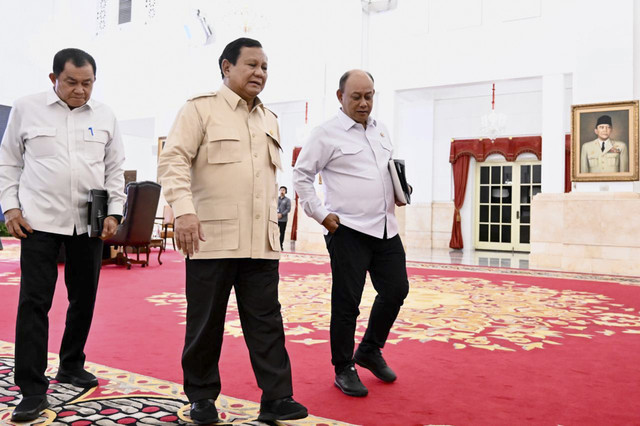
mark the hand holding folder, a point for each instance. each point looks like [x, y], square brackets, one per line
[401, 188]
[98, 202]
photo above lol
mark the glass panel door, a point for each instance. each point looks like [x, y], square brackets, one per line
[503, 204]
[530, 185]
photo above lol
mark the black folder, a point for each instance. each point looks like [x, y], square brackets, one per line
[399, 179]
[97, 211]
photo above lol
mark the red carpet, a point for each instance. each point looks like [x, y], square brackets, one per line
[471, 345]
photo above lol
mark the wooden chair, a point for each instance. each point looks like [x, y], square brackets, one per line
[167, 227]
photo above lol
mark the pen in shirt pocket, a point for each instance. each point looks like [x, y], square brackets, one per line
[91, 130]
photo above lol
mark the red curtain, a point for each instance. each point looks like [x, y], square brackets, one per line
[510, 148]
[567, 163]
[460, 172]
[294, 222]
[480, 149]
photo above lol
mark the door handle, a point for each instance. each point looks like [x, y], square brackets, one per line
[518, 214]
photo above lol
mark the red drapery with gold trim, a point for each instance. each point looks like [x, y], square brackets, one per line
[460, 172]
[480, 149]
[294, 222]
[510, 148]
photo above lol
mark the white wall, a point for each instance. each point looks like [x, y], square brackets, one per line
[433, 61]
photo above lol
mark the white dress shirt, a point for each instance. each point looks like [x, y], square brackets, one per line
[51, 156]
[353, 162]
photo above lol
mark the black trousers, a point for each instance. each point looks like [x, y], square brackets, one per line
[283, 230]
[352, 255]
[208, 285]
[39, 268]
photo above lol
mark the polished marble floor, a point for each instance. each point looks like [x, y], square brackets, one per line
[471, 257]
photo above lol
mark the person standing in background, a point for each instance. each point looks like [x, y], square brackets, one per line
[284, 207]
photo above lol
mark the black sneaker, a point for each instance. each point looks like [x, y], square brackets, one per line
[281, 409]
[348, 382]
[80, 378]
[203, 412]
[29, 408]
[374, 362]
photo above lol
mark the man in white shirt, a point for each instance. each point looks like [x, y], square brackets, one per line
[352, 151]
[58, 145]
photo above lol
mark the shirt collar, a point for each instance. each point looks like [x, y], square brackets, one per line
[348, 122]
[52, 98]
[234, 100]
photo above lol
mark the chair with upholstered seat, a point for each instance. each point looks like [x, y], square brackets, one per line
[135, 230]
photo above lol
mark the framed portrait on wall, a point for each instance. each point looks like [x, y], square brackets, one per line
[161, 142]
[604, 142]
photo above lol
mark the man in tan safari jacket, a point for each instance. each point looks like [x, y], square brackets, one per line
[218, 172]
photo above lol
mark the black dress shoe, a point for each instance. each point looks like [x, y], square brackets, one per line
[29, 408]
[348, 382]
[374, 362]
[203, 412]
[80, 378]
[281, 409]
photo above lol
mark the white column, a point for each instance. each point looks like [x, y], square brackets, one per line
[364, 49]
[553, 133]
[636, 62]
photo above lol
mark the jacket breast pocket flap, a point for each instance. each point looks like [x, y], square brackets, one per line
[41, 141]
[349, 149]
[220, 225]
[223, 145]
[274, 151]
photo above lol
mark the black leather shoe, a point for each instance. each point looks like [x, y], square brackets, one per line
[374, 362]
[203, 412]
[348, 382]
[29, 408]
[281, 409]
[80, 378]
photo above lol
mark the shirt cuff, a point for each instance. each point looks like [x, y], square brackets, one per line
[321, 215]
[182, 207]
[10, 204]
[115, 209]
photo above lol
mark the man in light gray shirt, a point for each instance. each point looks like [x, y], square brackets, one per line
[58, 145]
[352, 150]
[284, 207]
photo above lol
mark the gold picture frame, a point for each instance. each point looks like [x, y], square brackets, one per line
[617, 159]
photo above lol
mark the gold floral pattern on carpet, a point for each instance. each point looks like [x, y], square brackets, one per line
[462, 311]
[124, 397]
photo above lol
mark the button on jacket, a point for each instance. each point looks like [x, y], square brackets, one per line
[51, 156]
[219, 162]
[353, 162]
[613, 159]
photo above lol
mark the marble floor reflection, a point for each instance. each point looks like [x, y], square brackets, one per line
[471, 257]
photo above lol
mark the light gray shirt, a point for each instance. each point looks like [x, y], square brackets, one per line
[353, 162]
[284, 207]
[51, 156]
